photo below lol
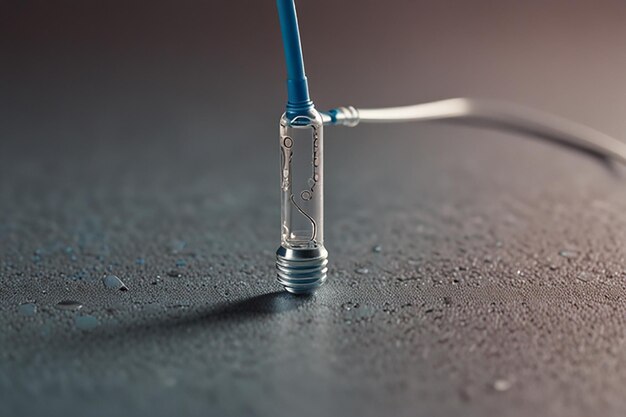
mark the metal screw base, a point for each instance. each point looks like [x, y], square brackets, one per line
[301, 271]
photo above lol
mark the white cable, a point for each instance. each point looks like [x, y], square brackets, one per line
[494, 113]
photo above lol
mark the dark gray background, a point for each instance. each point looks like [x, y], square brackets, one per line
[140, 138]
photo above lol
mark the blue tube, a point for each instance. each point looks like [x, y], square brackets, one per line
[298, 102]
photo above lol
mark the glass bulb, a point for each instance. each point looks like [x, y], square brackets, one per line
[301, 258]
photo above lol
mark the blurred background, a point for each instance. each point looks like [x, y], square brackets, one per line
[139, 138]
[89, 74]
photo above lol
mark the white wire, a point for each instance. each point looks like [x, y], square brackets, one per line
[498, 113]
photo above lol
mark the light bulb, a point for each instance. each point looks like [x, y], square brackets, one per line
[301, 259]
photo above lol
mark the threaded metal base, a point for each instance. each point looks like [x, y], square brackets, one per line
[301, 271]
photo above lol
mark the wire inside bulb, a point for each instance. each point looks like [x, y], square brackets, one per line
[302, 185]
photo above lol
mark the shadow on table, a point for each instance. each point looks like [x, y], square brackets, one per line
[257, 307]
[237, 311]
[271, 303]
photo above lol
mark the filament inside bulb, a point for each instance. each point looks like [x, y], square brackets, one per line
[302, 187]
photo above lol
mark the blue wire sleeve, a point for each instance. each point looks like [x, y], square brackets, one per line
[298, 102]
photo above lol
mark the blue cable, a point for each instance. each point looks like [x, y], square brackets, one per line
[298, 102]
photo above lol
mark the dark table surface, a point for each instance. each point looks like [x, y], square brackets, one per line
[472, 272]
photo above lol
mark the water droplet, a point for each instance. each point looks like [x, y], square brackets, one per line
[362, 271]
[174, 274]
[86, 322]
[359, 313]
[377, 249]
[114, 283]
[349, 305]
[570, 254]
[502, 385]
[28, 309]
[69, 305]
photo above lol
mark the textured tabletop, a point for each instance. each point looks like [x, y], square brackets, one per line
[472, 272]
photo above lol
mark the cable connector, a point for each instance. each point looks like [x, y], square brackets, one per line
[344, 116]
